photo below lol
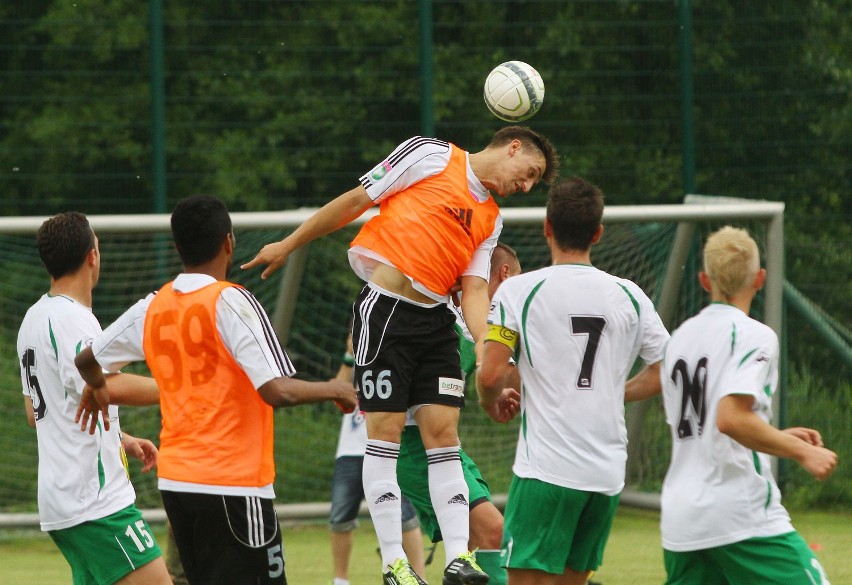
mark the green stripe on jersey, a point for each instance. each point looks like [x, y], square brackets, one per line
[524, 315]
[733, 337]
[101, 472]
[745, 357]
[632, 298]
[52, 339]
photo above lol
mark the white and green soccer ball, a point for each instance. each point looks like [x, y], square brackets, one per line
[514, 91]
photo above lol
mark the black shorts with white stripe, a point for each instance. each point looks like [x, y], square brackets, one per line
[405, 354]
[226, 540]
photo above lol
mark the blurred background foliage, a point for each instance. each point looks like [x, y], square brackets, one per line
[274, 104]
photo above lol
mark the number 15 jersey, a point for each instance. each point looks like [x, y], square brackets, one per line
[579, 331]
[717, 491]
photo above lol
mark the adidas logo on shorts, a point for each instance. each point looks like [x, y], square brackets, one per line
[458, 499]
[388, 497]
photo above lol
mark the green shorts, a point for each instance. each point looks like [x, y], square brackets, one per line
[103, 551]
[413, 474]
[548, 527]
[775, 559]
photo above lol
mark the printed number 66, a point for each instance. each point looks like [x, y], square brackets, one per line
[382, 387]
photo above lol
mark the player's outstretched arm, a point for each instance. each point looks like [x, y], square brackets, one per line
[133, 390]
[494, 375]
[646, 384]
[141, 449]
[736, 419]
[332, 216]
[284, 392]
[28, 407]
[95, 397]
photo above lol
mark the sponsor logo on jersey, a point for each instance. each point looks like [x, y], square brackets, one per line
[458, 499]
[387, 497]
[380, 171]
[451, 386]
[463, 216]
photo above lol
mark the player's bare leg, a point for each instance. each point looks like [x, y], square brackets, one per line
[533, 577]
[486, 527]
[153, 573]
[486, 536]
[449, 493]
[382, 492]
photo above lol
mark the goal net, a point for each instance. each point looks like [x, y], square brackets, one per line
[310, 300]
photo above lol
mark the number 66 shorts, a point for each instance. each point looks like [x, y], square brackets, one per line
[405, 353]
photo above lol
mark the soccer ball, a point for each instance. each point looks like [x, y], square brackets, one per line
[513, 91]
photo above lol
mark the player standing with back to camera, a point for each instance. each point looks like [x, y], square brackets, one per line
[578, 332]
[437, 222]
[220, 370]
[85, 498]
[722, 519]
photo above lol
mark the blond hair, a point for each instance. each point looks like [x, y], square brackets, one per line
[731, 260]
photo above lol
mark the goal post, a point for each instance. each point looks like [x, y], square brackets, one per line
[310, 299]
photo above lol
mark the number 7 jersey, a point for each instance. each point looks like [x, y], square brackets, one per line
[579, 332]
[717, 491]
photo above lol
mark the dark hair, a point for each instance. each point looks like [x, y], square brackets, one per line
[574, 210]
[506, 251]
[63, 242]
[532, 139]
[200, 223]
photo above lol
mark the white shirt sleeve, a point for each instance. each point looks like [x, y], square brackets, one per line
[247, 333]
[121, 342]
[71, 334]
[412, 161]
[653, 335]
[480, 263]
[753, 366]
[501, 312]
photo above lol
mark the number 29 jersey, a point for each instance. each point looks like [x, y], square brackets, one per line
[717, 491]
[579, 331]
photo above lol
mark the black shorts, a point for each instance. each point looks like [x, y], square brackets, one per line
[226, 540]
[405, 354]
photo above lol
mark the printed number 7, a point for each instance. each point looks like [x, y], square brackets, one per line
[593, 327]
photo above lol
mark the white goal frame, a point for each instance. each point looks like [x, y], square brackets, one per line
[695, 209]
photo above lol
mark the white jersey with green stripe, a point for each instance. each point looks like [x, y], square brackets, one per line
[580, 331]
[81, 477]
[717, 491]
